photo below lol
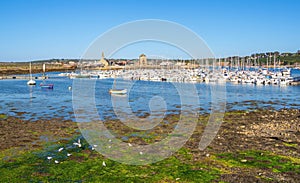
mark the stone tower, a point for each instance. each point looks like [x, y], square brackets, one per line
[143, 59]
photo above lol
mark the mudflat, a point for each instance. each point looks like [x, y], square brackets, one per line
[257, 146]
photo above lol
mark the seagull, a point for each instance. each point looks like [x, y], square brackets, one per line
[69, 154]
[94, 146]
[56, 161]
[77, 143]
[130, 145]
[60, 149]
[49, 157]
[103, 163]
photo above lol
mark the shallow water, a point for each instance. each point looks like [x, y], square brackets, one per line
[33, 103]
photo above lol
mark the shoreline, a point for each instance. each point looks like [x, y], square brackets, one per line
[10, 69]
[236, 152]
[22, 71]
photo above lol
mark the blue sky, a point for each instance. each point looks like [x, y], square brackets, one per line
[36, 29]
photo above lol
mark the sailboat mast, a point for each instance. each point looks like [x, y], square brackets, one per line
[114, 85]
[30, 75]
[274, 62]
[44, 70]
[267, 62]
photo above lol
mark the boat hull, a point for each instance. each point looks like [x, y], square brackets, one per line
[31, 82]
[47, 86]
[120, 92]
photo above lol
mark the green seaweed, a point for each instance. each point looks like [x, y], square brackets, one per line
[3, 116]
[85, 165]
[260, 159]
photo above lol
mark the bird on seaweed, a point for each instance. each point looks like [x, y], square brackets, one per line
[60, 149]
[77, 143]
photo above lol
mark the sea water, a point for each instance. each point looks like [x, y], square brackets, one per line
[34, 103]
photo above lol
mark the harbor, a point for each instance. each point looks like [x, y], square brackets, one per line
[149, 91]
[196, 75]
[260, 76]
[260, 123]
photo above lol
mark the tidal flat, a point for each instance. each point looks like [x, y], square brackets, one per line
[251, 146]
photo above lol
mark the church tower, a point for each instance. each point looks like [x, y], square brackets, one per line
[103, 61]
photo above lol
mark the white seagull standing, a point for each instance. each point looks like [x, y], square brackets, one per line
[60, 149]
[77, 143]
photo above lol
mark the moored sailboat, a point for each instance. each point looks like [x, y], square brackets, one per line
[31, 81]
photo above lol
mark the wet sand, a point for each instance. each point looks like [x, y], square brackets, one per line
[16, 132]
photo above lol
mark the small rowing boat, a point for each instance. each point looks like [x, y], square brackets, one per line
[117, 91]
[46, 86]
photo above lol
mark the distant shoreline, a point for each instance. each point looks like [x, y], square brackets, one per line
[21, 68]
[25, 71]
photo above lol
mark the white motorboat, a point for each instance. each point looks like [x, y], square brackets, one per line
[286, 80]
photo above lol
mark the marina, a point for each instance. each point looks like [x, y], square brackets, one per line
[260, 76]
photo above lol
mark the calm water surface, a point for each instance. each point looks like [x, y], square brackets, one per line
[32, 102]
